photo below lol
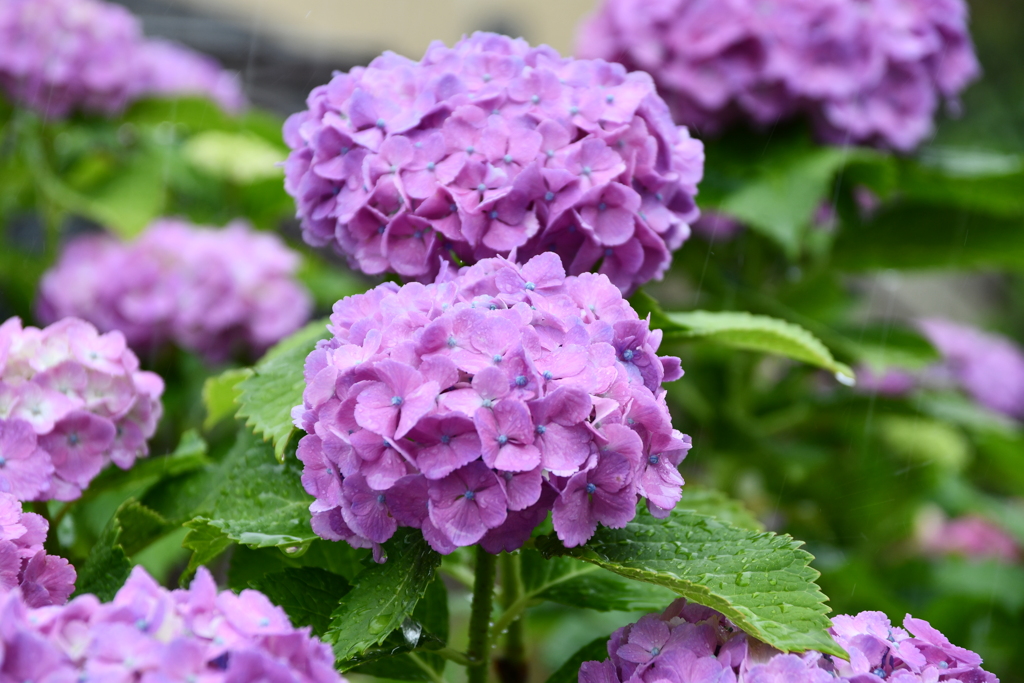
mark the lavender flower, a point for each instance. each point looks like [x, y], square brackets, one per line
[65, 55]
[71, 401]
[869, 72]
[470, 407]
[213, 291]
[153, 635]
[690, 643]
[43, 579]
[488, 148]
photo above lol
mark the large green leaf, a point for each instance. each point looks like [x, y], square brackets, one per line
[255, 501]
[307, 594]
[132, 528]
[267, 397]
[716, 504]
[220, 395]
[743, 330]
[761, 581]
[780, 203]
[383, 595]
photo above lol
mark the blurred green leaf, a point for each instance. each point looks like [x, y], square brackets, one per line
[307, 594]
[761, 581]
[220, 395]
[329, 283]
[987, 581]
[276, 384]
[569, 672]
[132, 198]
[925, 441]
[241, 158]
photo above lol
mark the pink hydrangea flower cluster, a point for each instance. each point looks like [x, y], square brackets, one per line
[72, 400]
[152, 635]
[689, 643]
[213, 291]
[43, 579]
[971, 536]
[66, 55]
[864, 71]
[493, 147]
[471, 407]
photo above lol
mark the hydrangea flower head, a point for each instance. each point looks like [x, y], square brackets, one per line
[690, 643]
[870, 71]
[65, 55]
[43, 579]
[72, 400]
[493, 147]
[971, 536]
[472, 406]
[213, 291]
[153, 635]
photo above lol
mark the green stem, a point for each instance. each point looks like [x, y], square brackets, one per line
[479, 650]
[512, 666]
[431, 674]
[452, 655]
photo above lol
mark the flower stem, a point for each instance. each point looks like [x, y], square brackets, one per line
[512, 666]
[479, 650]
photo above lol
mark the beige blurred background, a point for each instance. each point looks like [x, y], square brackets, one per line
[348, 27]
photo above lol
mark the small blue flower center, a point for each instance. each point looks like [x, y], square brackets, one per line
[880, 672]
[508, 476]
[493, 215]
[431, 165]
[535, 99]
[3, 461]
[548, 375]
[591, 488]
[627, 354]
[540, 429]
[655, 651]
[381, 229]
[470, 149]
[654, 459]
[487, 78]
[487, 403]
[602, 206]
[521, 380]
[73, 439]
[550, 153]
[496, 358]
[451, 342]
[502, 439]
[481, 188]
[381, 497]
[264, 622]
[397, 401]
[549, 195]
[381, 123]
[610, 99]
[446, 439]
[609, 252]
[470, 495]
[141, 624]
[530, 286]
[574, 110]
[453, 208]
[507, 159]
[587, 170]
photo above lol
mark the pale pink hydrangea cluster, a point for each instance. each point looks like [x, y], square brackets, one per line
[214, 291]
[43, 579]
[493, 147]
[72, 400]
[971, 536]
[864, 71]
[59, 56]
[149, 634]
[689, 643]
[471, 407]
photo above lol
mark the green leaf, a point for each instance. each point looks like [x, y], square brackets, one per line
[781, 202]
[132, 528]
[249, 565]
[256, 501]
[267, 396]
[568, 581]
[985, 581]
[220, 395]
[131, 199]
[742, 330]
[928, 235]
[718, 505]
[329, 282]
[761, 581]
[594, 651]
[925, 441]
[405, 654]
[383, 596]
[190, 455]
[241, 158]
[307, 594]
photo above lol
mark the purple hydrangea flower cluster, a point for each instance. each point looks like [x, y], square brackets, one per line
[989, 367]
[152, 635]
[971, 536]
[213, 291]
[471, 407]
[72, 400]
[689, 643]
[865, 71]
[493, 147]
[65, 55]
[43, 579]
